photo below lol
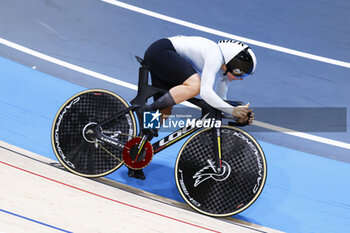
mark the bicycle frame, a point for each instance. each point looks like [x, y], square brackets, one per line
[100, 140]
[145, 91]
[157, 146]
[172, 138]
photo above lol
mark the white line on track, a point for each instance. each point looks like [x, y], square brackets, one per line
[134, 87]
[303, 135]
[66, 64]
[227, 35]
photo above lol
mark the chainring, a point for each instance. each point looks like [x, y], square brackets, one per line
[132, 159]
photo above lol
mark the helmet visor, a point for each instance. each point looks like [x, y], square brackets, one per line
[239, 73]
[241, 65]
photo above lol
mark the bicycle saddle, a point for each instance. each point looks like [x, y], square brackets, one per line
[141, 61]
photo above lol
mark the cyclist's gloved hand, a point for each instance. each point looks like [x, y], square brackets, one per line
[242, 113]
[246, 120]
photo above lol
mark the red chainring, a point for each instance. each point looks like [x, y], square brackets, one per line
[134, 160]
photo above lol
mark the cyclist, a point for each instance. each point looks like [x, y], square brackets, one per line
[188, 66]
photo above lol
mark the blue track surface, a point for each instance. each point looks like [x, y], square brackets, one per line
[305, 190]
[303, 193]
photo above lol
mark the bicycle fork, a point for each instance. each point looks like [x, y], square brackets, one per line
[216, 137]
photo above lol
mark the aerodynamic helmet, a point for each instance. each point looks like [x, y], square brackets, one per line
[239, 59]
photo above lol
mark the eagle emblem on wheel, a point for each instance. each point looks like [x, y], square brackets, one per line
[211, 172]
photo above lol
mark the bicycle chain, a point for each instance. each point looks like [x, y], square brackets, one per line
[108, 152]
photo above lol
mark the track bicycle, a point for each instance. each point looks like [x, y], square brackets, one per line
[219, 171]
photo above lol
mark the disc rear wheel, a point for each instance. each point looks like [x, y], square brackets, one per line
[72, 132]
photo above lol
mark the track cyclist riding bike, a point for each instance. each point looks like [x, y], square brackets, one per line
[187, 66]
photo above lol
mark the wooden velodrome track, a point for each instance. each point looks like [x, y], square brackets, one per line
[38, 196]
[51, 50]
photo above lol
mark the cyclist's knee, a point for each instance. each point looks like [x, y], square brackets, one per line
[193, 83]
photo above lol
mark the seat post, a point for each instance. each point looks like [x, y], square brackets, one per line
[142, 85]
[143, 76]
[145, 91]
[143, 73]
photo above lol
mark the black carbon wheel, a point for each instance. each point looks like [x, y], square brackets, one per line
[75, 149]
[230, 191]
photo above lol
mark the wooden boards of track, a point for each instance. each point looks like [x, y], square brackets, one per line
[38, 197]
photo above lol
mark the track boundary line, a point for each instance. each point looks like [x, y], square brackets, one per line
[104, 197]
[227, 35]
[33, 220]
[130, 189]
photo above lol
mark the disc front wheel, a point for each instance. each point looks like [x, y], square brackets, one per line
[226, 191]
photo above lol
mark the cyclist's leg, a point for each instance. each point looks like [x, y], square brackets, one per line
[165, 113]
[187, 90]
[171, 72]
[157, 82]
[139, 174]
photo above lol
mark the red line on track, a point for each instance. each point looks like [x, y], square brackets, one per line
[107, 198]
